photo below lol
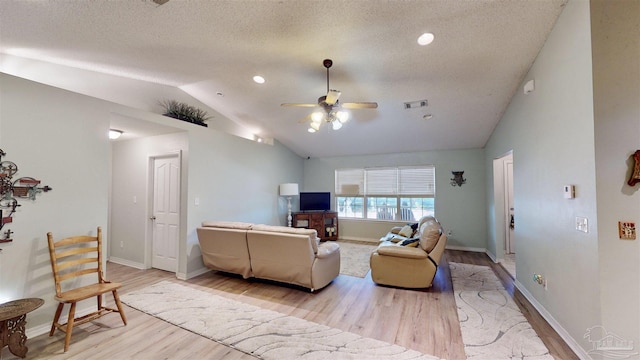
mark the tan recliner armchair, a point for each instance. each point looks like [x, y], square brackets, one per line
[409, 261]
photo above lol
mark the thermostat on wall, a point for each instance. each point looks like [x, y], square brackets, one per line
[569, 191]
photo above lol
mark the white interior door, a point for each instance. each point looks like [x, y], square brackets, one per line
[510, 238]
[166, 213]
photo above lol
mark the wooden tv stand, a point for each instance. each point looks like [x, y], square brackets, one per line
[324, 222]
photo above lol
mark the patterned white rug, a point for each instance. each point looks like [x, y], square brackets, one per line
[492, 326]
[259, 332]
[354, 258]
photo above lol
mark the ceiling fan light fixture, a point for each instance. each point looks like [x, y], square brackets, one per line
[311, 130]
[343, 116]
[336, 125]
[314, 125]
[317, 116]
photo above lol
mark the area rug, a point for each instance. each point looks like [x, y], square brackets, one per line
[262, 333]
[354, 258]
[492, 325]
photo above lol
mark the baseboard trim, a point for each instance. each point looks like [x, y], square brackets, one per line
[573, 344]
[491, 256]
[187, 276]
[465, 248]
[126, 262]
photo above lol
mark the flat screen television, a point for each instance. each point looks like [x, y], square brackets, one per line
[315, 201]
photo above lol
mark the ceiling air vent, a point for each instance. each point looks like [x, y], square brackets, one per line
[415, 104]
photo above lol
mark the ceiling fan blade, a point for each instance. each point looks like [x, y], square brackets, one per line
[305, 119]
[300, 105]
[332, 96]
[360, 105]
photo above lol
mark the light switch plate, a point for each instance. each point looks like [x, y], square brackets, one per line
[582, 224]
[627, 230]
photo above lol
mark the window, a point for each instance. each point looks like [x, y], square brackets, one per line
[389, 193]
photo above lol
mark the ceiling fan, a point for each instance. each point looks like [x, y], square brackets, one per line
[330, 109]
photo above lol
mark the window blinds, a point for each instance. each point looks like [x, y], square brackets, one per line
[396, 181]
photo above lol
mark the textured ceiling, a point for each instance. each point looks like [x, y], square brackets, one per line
[481, 52]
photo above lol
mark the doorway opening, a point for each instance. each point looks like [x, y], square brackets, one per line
[505, 212]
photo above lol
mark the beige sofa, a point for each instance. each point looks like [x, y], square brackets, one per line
[409, 259]
[278, 253]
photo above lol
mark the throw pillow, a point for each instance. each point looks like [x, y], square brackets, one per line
[430, 232]
[414, 226]
[410, 242]
[406, 231]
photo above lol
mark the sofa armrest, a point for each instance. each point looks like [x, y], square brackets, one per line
[326, 249]
[402, 251]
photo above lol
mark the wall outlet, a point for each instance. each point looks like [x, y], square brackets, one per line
[449, 233]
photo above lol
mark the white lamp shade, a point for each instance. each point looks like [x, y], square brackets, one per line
[289, 189]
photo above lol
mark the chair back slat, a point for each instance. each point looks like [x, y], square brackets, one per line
[74, 240]
[76, 251]
[68, 264]
[74, 257]
[78, 273]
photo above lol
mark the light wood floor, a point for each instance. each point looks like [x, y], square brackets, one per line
[423, 320]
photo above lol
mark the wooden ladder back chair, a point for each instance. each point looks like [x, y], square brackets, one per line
[71, 259]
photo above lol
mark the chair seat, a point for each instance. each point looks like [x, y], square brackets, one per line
[86, 292]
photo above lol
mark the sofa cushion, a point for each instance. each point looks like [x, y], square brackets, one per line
[311, 233]
[228, 224]
[402, 252]
[430, 231]
[406, 231]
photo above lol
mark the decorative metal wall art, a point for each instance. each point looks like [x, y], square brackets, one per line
[24, 187]
[457, 178]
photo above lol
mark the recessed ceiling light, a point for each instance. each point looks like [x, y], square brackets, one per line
[219, 93]
[258, 79]
[425, 39]
[427, 116]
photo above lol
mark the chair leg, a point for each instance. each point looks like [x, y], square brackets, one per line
[56, 318]
[70, 320]
[99, 297]
[116, 298]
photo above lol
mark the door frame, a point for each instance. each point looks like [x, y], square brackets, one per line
[500, 224]
[148, 248]
[509, 241]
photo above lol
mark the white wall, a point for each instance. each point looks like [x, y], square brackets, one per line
[59, 138]
[616, 81]
[460, 209]
[236, 179]
[551, 134]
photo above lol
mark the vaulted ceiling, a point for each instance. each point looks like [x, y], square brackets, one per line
[212, 49]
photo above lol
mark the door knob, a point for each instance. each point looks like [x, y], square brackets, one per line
[152, 218]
